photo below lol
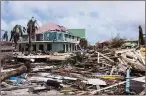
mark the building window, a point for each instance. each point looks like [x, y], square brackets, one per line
[73, 47]
[64, 47]
[41, 47]
[66, 35]
[77, 39]
[60, 36]
[26, 47]
[69, 36]
[39, 37]
[25, 38]
[49, 47]
[34, 47]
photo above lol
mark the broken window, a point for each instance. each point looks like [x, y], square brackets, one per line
[34, 47]
[41, 47]
[66, 47]
[49, 47]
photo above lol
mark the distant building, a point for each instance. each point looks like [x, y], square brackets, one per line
[52, 37]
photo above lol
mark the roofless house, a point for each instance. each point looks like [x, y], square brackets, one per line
[52, 37]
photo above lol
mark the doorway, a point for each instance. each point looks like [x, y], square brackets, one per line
[67, 47]
[34, 47]
[41, 47]
[49, 47]
[26, 47]
[64, 47]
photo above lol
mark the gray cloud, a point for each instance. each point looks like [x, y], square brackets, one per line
[99, 18]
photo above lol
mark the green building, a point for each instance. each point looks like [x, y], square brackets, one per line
[78, 32]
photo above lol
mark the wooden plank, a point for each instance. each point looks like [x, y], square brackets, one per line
[124, 51]
[113, 68]
[142, 58]
[95, 91]
[18, 71]
[106, 58]
[98, 58]
[135, 65]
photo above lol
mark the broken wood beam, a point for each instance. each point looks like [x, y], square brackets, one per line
[94, 92]
[106, 57]
[98, 58]
[12, 66]
[124, 51]
[20, 70]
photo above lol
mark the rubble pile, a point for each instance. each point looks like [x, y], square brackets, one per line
[80, 73]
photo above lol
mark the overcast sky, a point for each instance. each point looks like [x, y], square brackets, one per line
[101, 19]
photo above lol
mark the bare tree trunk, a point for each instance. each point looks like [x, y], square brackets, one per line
[15, 46]
[29, 48]
[22, 69]
[18, 71]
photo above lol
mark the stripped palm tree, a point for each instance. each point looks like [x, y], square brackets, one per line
[16, 33]
[31, 29]
[5, 35]
[141, 38]
[83, 43]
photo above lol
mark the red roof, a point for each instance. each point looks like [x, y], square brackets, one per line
[50, 27]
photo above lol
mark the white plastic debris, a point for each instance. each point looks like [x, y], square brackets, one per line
[95, 82]
[32, 60]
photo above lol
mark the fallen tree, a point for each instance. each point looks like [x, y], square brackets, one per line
[22, 69]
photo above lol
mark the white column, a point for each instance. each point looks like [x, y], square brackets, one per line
[76, 47]
[71, 47]
[45, 46]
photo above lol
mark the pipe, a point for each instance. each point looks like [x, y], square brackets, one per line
[128, 80]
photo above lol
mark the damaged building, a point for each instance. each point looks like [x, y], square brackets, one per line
[53, 37]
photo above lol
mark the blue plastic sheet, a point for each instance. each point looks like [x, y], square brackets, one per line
[16, 79]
